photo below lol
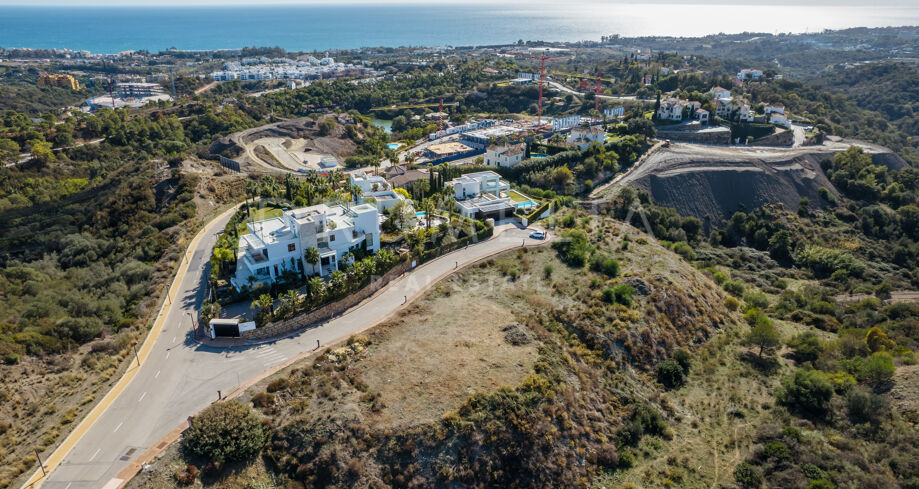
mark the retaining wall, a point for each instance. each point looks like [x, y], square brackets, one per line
[302, 321]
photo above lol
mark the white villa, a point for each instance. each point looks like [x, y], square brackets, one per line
[674, 109]
[481, 195]
[749, 74]
[583, 136]
[718, 92]
[279, 244]
[506, 155]
[377, 188]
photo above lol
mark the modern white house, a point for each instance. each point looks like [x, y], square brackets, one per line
[376, 188]
[774, 109]
[749, 74]
[481, 195]
[276, 245]
[779, 120]
[505, 155]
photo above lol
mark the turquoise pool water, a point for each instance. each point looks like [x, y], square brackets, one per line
[538, 155]
[419, 214]
[526, 205]
[393, 145]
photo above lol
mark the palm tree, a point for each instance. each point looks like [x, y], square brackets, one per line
[290, 299]
[427, 205]
[314, 287]
[251, 190]
[264, 303]
[312, 257]
[356, 194]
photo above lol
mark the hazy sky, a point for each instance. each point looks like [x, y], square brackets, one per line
[581, 3]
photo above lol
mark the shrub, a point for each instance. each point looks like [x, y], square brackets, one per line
[573, 247]
[807, 347]
[864, 406]
[187, 475]
[734, 288]
[670, 374]
[683, 358]
[731, 303]
[719, 277]
[263, 400]
[622, 294]
[820, 484]
[877, 340]
[604, 264]
[547, 270]
[877, 369]
[756, 299]
[747, 476]
[278, 385]
[683, 249]
[225, 432]
[807, 391]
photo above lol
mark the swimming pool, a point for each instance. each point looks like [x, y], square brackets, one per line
[526, 205]
[420, 214]
[393, 145]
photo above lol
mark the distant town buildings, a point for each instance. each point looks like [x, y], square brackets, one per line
[129, 94]
[311, 68]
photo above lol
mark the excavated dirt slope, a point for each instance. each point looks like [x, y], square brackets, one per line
[713, 181]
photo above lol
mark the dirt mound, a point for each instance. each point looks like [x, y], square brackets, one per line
[715, 181]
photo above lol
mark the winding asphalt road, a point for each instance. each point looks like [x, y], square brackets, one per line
[178, 376]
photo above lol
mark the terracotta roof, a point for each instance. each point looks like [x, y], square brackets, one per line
[407, 177]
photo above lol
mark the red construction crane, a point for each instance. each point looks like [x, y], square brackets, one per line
[542, 75]
[440, 116]
[597, 92]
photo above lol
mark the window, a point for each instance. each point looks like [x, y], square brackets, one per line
[332, 237]
[291, 247]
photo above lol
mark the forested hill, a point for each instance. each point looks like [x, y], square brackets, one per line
[892, 89]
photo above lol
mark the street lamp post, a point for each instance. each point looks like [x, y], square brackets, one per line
[136, 356]
[194, 330]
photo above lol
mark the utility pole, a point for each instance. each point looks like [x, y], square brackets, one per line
[136, 356]
[40, 464]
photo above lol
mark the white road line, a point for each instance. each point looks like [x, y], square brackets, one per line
[68, 485]
[142, 396]
[157, 374]
[275, 362]
[118, 427]
[94, 455]
[173, 339]
[168, 353]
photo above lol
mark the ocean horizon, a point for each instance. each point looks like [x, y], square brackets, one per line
[349, 26]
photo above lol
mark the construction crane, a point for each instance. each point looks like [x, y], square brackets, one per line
[597, 92]
[542, 75]
[440, 116]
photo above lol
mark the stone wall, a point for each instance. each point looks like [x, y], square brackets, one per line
[328, 311]
[707, 136]
[784, 138]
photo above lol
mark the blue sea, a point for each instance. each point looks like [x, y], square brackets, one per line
[323, 27]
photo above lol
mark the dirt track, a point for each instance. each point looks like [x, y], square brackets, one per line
[714, 181]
